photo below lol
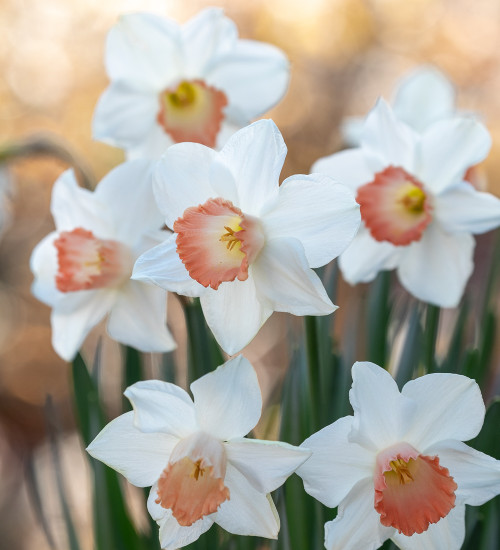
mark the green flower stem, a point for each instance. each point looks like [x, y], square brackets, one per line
[430, 338]
[314, 374]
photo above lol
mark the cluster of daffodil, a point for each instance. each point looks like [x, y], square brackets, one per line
[197, 209]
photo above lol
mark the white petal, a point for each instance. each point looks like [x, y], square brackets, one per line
[156, 142]
[436, 268]
[235, 312]
[253, 75]
[476, 474]
[448, 149]
[72, 207]
[283, 277]
[248, 511]
[265, 464]
[139, 317]
[127, 191]
[448, 406]
[381, 413]
[365, 257]
[228, 401]
[463, 209]
[173, 535]
[181, 179]
[206, 36]
[352, 129]
[317, 211]
[144, 50]
[448, 533]
[74, 316]
[357, 525]
[336, 464]
[423, 97]
[223, 182]
[44, 266]
[349, 167]
[123, 116]
[255, 156]
[387, 141]
[162, 407]
[162, 266]
[140, 457]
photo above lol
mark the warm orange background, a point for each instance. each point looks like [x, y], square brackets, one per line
[344, 53]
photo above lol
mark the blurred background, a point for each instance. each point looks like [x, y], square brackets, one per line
[344, 54]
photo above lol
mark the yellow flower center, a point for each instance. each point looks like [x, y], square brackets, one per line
[412, 197]
[401, 469]
[183, 96]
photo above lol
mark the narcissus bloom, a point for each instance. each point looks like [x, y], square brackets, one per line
[418, 213]
[194, 82]
[421, 98]
[83, 268]
[242, 242]
[398, 468]
[201, 467]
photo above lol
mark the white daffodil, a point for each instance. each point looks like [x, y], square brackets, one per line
[398, 468]
[201, 467]
[242, 242]
[82, 270]
[418, 213]
[194, 82]
[421, 97]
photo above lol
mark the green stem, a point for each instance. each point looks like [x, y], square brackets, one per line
[314, 374]
[430, 338]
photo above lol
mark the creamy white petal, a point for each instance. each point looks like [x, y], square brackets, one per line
[162, 407]
[448, 406]
[127, 191]
[265, 464]
[476, 474]
[387, 141]
[140, 457]
[223, 182]
[173, 535]
[283, 277]
[228, 401]
[463, 209]
[365, 257]
[317, 211]
[357, 525]
[144, 50]
[205, 37]
[424, 96]
[139, 316]
[181, 179]
[44, 266]
[253, 75]
[248, 511]
[123, 116]
[72, 207]
[156, 142]
[162, 266]
[235, 312]
[381, 413]
[74, 316]
[336, 464]
[448, 148]
[351, 129]
[349, 167]
[436, 268]
[448, 533]
[255, 156]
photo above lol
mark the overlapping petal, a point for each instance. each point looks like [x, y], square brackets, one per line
[448, 406]
[227, 401]
[322, 214]
[352, 463]
[436, 268]
[139, 456]
[44, 265]
[162, 407]
[348, 167]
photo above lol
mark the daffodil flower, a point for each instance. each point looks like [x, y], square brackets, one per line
[398, 468]
[195, 82]
[418, 213]
[242, 242]
[194, 454]
[82, 270]
[420, 98]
